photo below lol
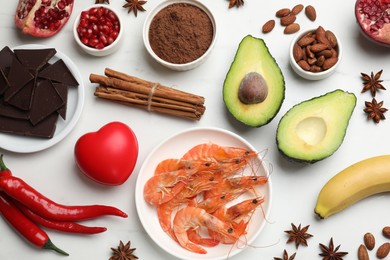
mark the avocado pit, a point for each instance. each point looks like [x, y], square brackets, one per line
[253, 89]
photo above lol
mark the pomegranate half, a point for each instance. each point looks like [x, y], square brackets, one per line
[373, 17]
[42, 18]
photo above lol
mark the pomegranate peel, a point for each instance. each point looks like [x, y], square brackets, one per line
[373, 17]
[42, 18]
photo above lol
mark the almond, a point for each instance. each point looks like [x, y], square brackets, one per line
[326, 53]
[383, 250]
[369, 241]
[292, 28]
[320, 61]
[362, 253]
[282, 12]
[287, 20]
[268, 26]
[297, 52]
[386, 232]
[315, 68]
[311, 13]
[297, 9]
[321, 36]
[318, 47]
[304, 65]
[331, 38]
[305, 40]
[329, 63]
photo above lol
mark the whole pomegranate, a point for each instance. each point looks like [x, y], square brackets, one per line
[42, 18]
[373, 17]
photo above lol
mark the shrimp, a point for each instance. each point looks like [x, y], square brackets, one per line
[162, 187]
[195, 218]
[199, 182]
[238, 214]
[214, 203]
[235, 186]
[214, 152]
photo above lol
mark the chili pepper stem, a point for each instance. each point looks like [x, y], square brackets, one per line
[50, 245]
[2, 165]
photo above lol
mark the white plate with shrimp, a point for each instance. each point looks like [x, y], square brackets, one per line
[175, 147]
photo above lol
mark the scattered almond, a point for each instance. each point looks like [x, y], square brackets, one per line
[292, 28]
[386, 232]
[297, 9]
[369, 241]
[282, 12]
[311, 13]
[362, 253]
[383, 250]
[287, 20]
[268, 26]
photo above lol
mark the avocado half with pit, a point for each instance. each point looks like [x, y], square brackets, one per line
[314, 129]
[254, 88]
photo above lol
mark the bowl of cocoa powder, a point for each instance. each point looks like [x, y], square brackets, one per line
[180, 34]
[315, 54]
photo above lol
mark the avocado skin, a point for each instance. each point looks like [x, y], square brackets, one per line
[304, 161]
[271, 116]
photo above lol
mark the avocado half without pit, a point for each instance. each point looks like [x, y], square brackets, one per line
[314, 129]
[253, 90]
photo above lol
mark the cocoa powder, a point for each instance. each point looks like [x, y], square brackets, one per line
[180, 33]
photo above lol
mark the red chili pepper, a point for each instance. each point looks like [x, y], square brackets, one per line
[46, 208]
[64, 226]
[24, 226]
[4, 171]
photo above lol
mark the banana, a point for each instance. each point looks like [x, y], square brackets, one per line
[354, 183]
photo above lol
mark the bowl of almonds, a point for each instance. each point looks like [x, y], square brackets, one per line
[315, 54]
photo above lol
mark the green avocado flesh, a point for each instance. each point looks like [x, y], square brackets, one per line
[253, 56]
[314, 129]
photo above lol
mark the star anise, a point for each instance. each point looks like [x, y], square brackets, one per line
[330, 253]
[375, 110]
[123, 252]
[285, 256]
[102, 1]
[135, 5]
[372, 82]
[298, 235]
[237, 3]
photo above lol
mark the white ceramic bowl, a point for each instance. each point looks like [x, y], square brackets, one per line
[174, 66]
[308, 74]
[106, 50]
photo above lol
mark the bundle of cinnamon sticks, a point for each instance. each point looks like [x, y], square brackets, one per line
[136, 92]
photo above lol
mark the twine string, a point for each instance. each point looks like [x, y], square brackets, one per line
[151, 93]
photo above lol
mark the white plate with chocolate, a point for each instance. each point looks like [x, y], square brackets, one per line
[41, 97]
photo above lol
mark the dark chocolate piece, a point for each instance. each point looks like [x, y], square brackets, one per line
[6, 57]
[18, 77]
[60, 73]
[4, 84]
[63, 91]
[34, 59]
[23, 99]
[44, 129]
[46, 101]
[11, 111]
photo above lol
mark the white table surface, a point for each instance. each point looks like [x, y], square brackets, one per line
[295, 187]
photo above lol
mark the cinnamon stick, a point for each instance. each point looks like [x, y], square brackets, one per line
[126, 89]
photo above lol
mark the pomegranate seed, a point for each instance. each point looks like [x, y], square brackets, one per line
[61, 5]
[93, 42]
[93, 19]
[99, 46]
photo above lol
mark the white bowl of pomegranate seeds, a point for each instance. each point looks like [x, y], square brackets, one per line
[97, 30]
